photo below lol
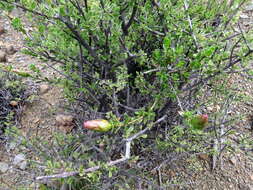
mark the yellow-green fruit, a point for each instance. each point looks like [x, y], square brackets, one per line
[100, 125]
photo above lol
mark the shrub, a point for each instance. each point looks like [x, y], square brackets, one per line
[12, 97]
[136, 63]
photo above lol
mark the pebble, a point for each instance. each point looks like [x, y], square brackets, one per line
[64, 120]
[102, 147]
[18, 158]
[23, 165]
[249, 7]
[13, 103]
[3, 56]
[3, 167]
[244, 16]
[11, 146]
[233, 160]
[66, 128]
[10, 50]
[2, 30]
[20, 161]
[203, 156]
[44, 88]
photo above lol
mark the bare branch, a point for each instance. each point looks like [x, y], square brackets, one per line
[111, 163]
[126, 26]
[186, 6]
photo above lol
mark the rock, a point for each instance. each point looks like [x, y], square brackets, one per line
[10, 50]
[36, 120]
[2, 30]
[44, 88]
[20, 161]
[16, 12]
[209, 108]
[23, 165]
[217, 108]
[11, 146]
[13, 103]
[102, 147]
[251, 177]
[249, 7]
[3, 167]
[249, 187]
[66, 128]
[171, 174]
[233, 160]
[203, 156]
[243, 186]
[64, 120]
[3, 56]
[244, 16]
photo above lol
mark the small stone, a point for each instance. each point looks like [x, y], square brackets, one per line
[2, 30]
[11, 146]
[44, 88]
[23, 165]
[233, 160]
[102, 147]
[10, 50]
[66, 128]
[64, 120]
[217, 108]
[249, 7]
[251, 177]
[209, 108]
[3, 167]
[243, 186]
[171, 173]
[3, 56]
[249, 187]
[203, 156]
[13, 103]
[244, 16]
[16, 12]
[18, 159]
[36, 120]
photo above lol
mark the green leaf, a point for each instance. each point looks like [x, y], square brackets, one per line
[17, 24]
[129, 130]
[144, 136]
[166, 43]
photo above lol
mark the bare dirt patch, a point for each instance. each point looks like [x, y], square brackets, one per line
[38, 115]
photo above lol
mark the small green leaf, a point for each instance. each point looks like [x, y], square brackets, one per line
[166, 43]
[110, 174]
[17, 24]
[129, 130]
[144, 136]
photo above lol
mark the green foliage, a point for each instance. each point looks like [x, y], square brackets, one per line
[17, 24]
[11, 89]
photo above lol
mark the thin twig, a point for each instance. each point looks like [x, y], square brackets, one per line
[186, 7]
